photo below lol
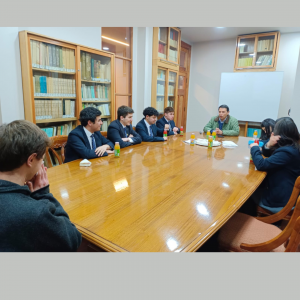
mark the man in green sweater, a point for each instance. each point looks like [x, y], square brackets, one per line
[223, 124]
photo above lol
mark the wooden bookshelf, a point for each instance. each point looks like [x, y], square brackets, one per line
[65, 57]
[167, 43]
[102, 66]
[257, 52]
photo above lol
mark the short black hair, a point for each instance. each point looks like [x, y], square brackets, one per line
[224, 106]
[150, 111]
[123, 111]
[89, 114]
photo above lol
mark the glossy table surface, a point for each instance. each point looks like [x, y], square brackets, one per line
[163, 196]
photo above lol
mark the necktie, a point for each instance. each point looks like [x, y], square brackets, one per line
[170, 127]
[151, 133]
[125, 131]
[93, 142]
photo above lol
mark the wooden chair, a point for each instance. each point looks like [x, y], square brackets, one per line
[287, 211]
[59, 141]
[245, 233]
[104, 133]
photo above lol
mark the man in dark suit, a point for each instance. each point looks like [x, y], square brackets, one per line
[167, 122]
[147, 129]
[86, 141]
[121, 130]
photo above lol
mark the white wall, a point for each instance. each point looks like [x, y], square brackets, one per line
[142, 70]
[210, 59]
[295, 106]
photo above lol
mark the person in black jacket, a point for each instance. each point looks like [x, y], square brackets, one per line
[31, 218]
[86, 141]
[147, 129]
[167, 122]
[282, 164]
[121, 130]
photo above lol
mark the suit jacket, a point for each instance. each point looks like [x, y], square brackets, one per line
[78, 145]
[162, 122]
[283, 167]
[142, 130]
[115, 133]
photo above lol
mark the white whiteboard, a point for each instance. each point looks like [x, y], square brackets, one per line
[251, 96]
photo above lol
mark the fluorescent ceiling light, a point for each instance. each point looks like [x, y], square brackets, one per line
[116, 41]
[240, 45]
[105, 48]
[220, 27]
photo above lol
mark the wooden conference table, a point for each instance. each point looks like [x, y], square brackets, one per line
[163, 196]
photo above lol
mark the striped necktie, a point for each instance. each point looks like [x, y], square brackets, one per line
[125, 132]
[93, 142]
[151, 133]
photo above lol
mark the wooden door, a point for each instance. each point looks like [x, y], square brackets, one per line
[182, 100]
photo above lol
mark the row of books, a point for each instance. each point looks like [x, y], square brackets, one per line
[245, 62]
[171, 103]
[172, 77]
[52, 57]
[264, 60]
[171, 90]
[160, 105]
[246, 47]
[93, 70]
[53, 86]
[162, 55]
[265, 45]
[160, 89]
[173, 55]
[162, 34]
[104, 108]
[54, 109]
[161, 49]
[174, 38]
[95, 92]
[104, 126]
[161, 74]
[64, 129]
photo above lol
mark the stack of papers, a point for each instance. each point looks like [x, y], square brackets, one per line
[229, 144]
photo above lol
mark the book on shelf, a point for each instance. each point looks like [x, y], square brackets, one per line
[174, 38]
[64, 129]
[249, 47]
[161, 74]
[162, 34]
[245, 62]
[93, 70]
[104, 126]
[171, 90]
[264, 60]
[95, 92]
[51, 86]
[160, 104]
[104, 108]
[162, 50]
[160, 89]
[171, 103]
[172, 77]
[265, 45]
[54, 109]
[173, 55]
[52, 57]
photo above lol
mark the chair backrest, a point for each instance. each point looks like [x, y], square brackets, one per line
[104, 133]
[288, 207]
[58, 142]
[282, 237]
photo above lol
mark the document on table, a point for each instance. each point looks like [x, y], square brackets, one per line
[229, 144]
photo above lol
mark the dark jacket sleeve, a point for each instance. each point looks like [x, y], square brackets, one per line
[144, 135]
[137, 138]
[266, 152]
[114, 135]
[160, 128]
[54, 231]
[78, 146]
[278, 159]
[160, 131]
[106, 142]
[160, 124]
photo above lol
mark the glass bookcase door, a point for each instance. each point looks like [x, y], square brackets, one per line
[160, 93]
[96, 84]
[265, 50]
[171, 89]
[162, 42]
[246, 52]
[173, 48]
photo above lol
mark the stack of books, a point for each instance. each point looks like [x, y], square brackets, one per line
[94, 92]
[160, 105]
[58, 130]
[173, 55]
[104, 108]
[52, 57]
[160, 89]
[264, 60]
[104, 125]
[265, 45]
[245, 62]
[52, 86]
[171, 90]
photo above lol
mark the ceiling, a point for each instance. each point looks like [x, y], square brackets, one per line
[203, 34]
